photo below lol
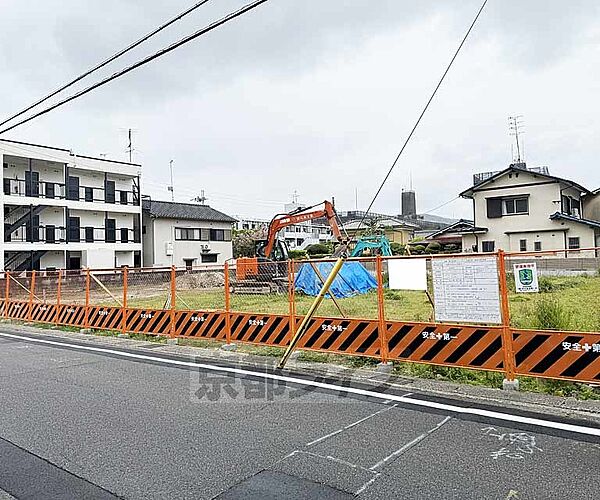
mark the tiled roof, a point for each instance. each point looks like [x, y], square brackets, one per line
[187, 211]
[587, 222]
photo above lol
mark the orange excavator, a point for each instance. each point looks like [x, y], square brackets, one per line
[268, 264]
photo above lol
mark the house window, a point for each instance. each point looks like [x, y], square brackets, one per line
[187, 233]
[189, 263]
[537, 246]
[487, 246]
[217, 235]
[574, 243]
[523, 245]
[514, 206]
[209, 258]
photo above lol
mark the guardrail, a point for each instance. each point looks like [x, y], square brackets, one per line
[223, 303]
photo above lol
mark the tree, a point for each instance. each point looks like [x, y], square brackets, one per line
[244, 241]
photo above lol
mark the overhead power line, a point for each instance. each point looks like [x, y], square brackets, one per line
[106, 61]
[142, 62]
[422, 113]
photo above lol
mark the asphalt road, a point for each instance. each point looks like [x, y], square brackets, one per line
[80, 424]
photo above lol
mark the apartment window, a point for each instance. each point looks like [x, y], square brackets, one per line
[187, 233]
[110, 231]
[89, 194]
[6, 185]
[487, 246]
[523, 245]
[537, 246]
[123, 197]
[89, 234]
[124, 235]
[209, 258]
[574, 243]
[515, 206]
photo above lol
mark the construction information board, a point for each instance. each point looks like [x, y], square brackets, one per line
[466, 289]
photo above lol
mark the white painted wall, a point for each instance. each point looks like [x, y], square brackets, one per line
[55, 258]
[163, 231]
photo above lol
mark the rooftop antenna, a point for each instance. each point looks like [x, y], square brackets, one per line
[170, 186]
[515, 126]
[295, 197]
[200, 199]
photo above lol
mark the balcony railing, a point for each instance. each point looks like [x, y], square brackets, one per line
[58, 190]
[47, 233]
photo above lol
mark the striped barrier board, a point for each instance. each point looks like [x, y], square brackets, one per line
[157, 321]
[265, 329]
[71, 315]
[564, 355]
[18, 309]
[200, 324]
[43, 313]
[447, 345]
[105, 318]
[342, 336]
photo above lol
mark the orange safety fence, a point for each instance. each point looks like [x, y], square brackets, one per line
[263, 306]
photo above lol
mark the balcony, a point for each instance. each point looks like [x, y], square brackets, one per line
[75, 192]
[51, 234]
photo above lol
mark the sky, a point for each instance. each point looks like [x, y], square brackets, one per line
[314, 97]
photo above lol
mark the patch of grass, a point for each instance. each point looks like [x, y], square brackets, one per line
[269, 351]
[202, 343]
[314, 357]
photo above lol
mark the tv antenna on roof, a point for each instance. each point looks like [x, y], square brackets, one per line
[200, 199]
[515, 127]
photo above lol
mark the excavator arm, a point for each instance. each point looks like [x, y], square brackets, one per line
[283, 220]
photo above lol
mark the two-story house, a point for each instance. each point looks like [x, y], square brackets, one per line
[523, 209]
[63, 210]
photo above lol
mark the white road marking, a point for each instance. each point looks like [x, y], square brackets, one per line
[349, 426]
[538, 422]
[408, 446]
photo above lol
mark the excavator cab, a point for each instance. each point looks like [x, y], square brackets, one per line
[278, 254]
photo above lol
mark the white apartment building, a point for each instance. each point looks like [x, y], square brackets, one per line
[67, 211]
[522, 209]
[185, 234]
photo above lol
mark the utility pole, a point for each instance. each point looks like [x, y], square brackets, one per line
[515, 126]
[170, 186]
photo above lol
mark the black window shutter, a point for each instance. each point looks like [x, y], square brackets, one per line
[494, 208]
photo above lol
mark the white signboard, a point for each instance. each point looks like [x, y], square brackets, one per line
[526, 278]
[407, 274]
[466, 289]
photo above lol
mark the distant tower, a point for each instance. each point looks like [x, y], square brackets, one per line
[409, 203]
[515, 127]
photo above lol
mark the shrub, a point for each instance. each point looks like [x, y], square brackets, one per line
[398, 248]
[318, 249]
[433, 247]
[417, 249]
[298, 254]
[549, 314]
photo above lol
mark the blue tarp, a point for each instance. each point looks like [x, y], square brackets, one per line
[353, 279]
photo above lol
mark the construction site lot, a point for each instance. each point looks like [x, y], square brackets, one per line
[563, 303]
